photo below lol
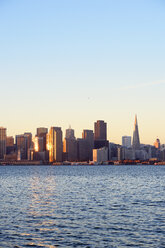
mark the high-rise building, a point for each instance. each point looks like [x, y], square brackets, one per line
[38, 144]
[136, 140]
[88, 135]
[2, 142]
[70, 149]
[70, 146]
[82, 150]
[70, 133]
[100, 132]
[55, 144]
[21, 144]
[9, 141]
[126, 141]
[42, 132]
[29, 139]
[10, 147]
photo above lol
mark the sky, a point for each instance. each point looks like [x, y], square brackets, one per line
[74, 62]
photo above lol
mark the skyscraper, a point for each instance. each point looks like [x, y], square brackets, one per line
[136, 140]
[70, 149]
[55, 144]
[70, 146]
[41, 130]
[100, 135]
[88, 135]
[126, 141]
[29, 140]
[70, 133]
[100, 130]
[21, 144]
[2, 142]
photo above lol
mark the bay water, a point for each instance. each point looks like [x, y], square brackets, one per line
[82, 206]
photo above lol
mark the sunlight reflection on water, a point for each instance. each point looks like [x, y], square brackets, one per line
[99, 206]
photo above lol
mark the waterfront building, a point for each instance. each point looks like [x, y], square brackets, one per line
[21, 145]
[70, 149]
[55, 144]
[88, 135]
[100, 130]
[126, 141]
[120, 153]
[112, 151]
[2, 142]
[100, 155]
[124, 153]
[82, 150]
[136, 140]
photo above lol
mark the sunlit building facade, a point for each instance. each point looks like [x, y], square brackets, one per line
[55, 145]
[157, 144]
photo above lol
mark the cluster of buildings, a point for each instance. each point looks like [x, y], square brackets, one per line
[49, 146]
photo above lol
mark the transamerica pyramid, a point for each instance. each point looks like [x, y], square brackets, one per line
[136, 140]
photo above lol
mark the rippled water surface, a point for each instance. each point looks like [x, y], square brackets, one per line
[82, 206]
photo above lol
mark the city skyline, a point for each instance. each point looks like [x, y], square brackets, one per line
[51, 146]
[134, 137]
[73, 62]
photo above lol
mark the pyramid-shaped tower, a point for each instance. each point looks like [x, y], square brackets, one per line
[136, 140]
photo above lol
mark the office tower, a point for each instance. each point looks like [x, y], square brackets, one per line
[21, 144]
[136, 140]
[100, 128]
[70, 146]
[10, 148]
[100, 135]
[2, 142]
[38, 144]
[126, 141]
[82, 150]
[88, 135]
[70, 133]
[9, 141]
[42, 132]
[70, 149]
[29, 139]
[157, 144]
[55, 144]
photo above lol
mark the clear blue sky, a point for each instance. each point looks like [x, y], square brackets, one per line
[74, 62]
